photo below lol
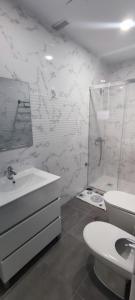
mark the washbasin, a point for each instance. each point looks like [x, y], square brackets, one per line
[7, 185]
[25, 182]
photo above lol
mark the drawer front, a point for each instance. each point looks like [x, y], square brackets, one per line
[18, 210]
[11, 265]
[24, 231]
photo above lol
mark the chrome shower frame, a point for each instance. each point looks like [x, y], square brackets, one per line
[99, 139]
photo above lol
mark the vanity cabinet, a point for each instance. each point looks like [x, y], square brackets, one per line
[28, 225]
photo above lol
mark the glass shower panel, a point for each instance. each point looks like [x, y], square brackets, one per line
[106, 127]
[113, 137]
[126, 178]
[96, 135]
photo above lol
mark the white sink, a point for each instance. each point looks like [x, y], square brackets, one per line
[25, 182]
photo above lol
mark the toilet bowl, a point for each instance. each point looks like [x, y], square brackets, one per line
[120, 208]
[114, 259]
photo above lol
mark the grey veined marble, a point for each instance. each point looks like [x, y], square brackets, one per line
[59, 96]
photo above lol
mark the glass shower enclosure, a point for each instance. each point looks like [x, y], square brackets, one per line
[111, 155]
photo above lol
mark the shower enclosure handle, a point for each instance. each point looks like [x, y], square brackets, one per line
[99, 141]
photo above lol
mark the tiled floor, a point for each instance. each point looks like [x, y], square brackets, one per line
[64, 271]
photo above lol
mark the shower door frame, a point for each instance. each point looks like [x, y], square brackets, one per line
[108, 85]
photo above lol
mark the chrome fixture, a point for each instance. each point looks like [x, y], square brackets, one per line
[102, 85]
[131, 244]
[60, 25]
[10, 174]
[99, 141]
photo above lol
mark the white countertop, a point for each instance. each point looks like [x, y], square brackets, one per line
[26, 182]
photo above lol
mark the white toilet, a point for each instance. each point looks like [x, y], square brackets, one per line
[121, 210]
[114, 259]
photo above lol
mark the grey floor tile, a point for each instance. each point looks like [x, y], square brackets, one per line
[68, 260]
[91, 288]
[85, 208]
[48, 287]
[77, 230]
[65, 269]
[70, 217]
[79, 205]
[24, 287]
[77, 297]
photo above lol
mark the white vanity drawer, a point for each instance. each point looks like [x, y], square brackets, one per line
[27, 205]
[12, 264]
[24, 231]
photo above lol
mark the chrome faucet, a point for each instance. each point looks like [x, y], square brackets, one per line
[131, 244]
[10, 173]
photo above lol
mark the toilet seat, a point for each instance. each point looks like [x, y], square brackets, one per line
[121, 200]
[101, 238]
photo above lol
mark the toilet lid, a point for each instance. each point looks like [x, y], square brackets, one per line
[121, 200]
[101, 238]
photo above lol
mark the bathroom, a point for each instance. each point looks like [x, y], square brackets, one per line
[67, 84]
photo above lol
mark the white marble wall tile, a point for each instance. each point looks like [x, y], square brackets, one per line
[59, 94]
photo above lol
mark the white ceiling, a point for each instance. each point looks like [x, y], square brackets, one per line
[93, 23]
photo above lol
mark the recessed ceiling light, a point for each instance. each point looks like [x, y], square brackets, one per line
[126, 25]
[49, 57]
[102, 81]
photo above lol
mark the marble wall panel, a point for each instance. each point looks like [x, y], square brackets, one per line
[59, 95]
